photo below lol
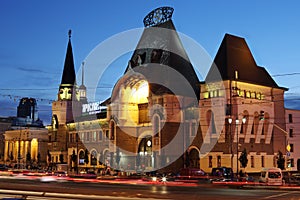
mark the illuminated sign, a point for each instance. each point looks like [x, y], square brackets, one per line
[91, 108]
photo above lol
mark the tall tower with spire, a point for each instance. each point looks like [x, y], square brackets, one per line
[67, 105]
[67, 87]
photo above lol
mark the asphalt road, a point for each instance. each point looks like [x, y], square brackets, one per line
[81, 190]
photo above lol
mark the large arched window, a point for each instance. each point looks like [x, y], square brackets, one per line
[194, 158]
[156, 125]
[112, 129]
[81, 158]
[211, 122]
[145, 146]
[93, 157]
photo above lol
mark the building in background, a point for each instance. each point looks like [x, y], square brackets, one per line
[25, 141]
[27, 113]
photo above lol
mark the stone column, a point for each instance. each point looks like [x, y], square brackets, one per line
[6, 151]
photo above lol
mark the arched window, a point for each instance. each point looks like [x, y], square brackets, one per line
[211, 122]
[156, 126]
[81, 158]
[112, 130]
[156, 55]
[93, 157]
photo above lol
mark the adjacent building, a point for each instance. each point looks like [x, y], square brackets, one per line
[25, 141]
[5, 124]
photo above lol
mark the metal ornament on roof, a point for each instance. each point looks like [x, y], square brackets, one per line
[158, 16]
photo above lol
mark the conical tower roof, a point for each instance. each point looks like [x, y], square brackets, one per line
[234, 61]
[160, 45]
[68, 76]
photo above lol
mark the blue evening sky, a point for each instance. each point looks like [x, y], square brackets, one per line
[34, 39]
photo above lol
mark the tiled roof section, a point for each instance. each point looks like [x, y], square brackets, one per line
[68, 76]
[234, 56]
[164, 39]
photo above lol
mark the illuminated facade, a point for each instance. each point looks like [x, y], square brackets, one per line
[152, 122]
[26, 146]
[245, 91]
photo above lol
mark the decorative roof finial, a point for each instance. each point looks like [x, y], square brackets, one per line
[70, 33]
[158, 16]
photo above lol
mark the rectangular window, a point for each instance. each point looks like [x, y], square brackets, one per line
[248, 94]
[290, 118]
[100, 135]
[292, 162]
[94, 137]
[193, 129]
[216, 93]
[71, 137]
[205, 95]
[87, 136]
[106, 134]
[258, 96]
[292, 147]
[242, 93]
[76, 137]
[143, 113]
[291, 132]
[262, 161]
[210, 161]
[219, 161]
[82, 137]
[252, 161]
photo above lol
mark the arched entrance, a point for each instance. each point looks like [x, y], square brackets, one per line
[194, 158]
[144, 157]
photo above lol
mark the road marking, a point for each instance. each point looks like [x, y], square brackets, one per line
[279, 195]
[52, 195]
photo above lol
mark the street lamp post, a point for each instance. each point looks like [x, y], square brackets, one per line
[237, 143]
[230, 142]
[237, 147]
[77, 156]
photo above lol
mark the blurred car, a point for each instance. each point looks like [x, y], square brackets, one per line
[48, 178]
[58, 176]
[191, 172]
[61, 173]
[3, 167]
[192, 175]
[221, 174]
[87, 174]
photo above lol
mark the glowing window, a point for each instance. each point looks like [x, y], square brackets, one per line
[242, 93]
[206, 95]
[248, 94]
[258, 96]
